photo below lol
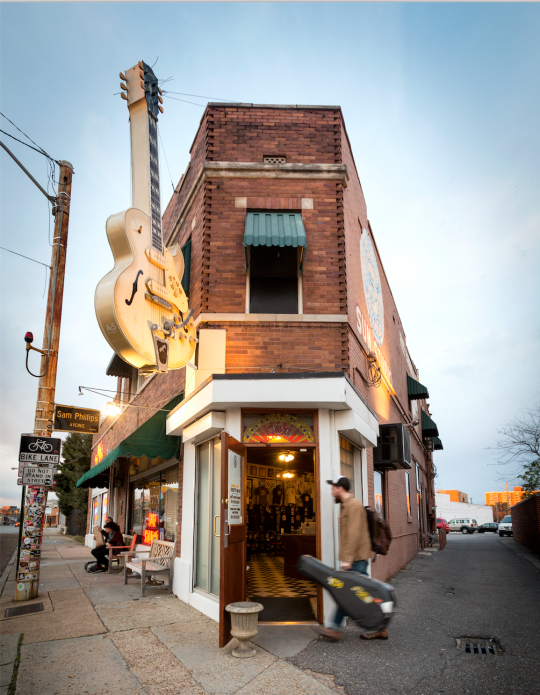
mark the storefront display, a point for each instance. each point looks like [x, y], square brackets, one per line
[154, 506]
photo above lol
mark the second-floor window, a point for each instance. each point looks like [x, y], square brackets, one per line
[275, 245]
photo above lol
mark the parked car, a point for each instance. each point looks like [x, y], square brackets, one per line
[463, 525]
[505, 527]
[490, 527]
[442, 523]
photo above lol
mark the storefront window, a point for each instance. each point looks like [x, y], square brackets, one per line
[96, 510]
[155, 507]
[104, 508]
[378, 484]
[346, 459]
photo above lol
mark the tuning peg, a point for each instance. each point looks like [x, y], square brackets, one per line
[142, 84]
[122, 76]
[160, 108]
[123, 86]
[141, 74]
[123, 95]
[160, 100]
[140, 64]
[159, 90]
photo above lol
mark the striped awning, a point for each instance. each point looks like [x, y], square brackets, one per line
[437, 444]
[415, 389]
[429, 428]
[274, 229]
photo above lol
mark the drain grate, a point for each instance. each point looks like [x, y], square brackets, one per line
[479, 645]
[23, 610]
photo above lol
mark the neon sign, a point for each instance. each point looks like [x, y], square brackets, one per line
[100, 453]
[277, 428]
[151, 531]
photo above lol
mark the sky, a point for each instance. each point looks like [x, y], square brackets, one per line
[441, 104]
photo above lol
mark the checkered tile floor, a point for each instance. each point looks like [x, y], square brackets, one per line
[265, 578]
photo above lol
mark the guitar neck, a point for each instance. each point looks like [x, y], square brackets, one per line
[146, 194]
[155, 194]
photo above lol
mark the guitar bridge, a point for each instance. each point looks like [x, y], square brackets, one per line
[158, 300]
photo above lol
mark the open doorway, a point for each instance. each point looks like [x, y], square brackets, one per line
[281, 526]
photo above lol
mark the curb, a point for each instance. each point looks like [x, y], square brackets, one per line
[5, 575]
[522, 552]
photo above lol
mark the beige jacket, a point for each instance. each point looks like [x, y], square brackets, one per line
[354, 540]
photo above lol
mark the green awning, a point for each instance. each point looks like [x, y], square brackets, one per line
[149, 440]
[429, 428]
[437, 444]
[274, 229]
[415, 389]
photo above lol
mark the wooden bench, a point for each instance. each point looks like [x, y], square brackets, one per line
[161, 560]
[120, 558]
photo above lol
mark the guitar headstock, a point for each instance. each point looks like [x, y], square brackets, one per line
[139, 82]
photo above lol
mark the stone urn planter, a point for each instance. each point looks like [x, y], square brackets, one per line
[244, 617]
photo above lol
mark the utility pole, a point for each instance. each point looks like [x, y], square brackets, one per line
[35, 498]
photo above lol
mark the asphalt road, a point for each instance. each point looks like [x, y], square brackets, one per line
[478, 587]
[9, 537]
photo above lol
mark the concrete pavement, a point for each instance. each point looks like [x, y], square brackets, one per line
[97, 636]
[477, 586]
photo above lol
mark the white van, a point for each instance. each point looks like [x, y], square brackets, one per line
[463, 525]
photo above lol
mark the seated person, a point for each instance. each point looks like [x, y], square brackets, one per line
[113, 538]
[104, 533]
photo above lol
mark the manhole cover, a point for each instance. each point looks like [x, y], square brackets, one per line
[479, 645]
[24, 610]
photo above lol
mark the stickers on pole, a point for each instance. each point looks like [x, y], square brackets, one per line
[30, 551]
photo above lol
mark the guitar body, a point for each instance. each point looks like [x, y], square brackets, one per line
[142, 294]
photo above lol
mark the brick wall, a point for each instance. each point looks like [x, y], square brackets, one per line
[238, 134]
[526, 523]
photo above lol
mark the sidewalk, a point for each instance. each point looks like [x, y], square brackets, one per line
[97, 636]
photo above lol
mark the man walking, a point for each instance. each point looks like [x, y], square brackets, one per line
[354, 548]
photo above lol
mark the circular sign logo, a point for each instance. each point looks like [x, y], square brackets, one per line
[372, 286]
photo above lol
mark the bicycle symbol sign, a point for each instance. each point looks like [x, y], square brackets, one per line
[40, 450]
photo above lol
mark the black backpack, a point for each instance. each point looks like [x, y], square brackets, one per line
[379, 532]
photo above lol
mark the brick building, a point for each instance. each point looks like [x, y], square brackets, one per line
[455, 495]
[301, 355]
[509, 497]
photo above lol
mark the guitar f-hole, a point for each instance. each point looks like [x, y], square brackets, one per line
[134, 291]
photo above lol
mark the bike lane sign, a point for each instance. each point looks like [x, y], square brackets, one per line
[40, 450]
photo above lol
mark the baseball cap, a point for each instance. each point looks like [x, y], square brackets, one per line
[341, 481]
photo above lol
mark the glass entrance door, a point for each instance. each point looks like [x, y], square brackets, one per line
[208, 500]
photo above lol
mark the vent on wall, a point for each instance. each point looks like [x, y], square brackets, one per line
[274, 160]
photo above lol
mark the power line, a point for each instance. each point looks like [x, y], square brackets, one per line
[30, 146]
[198, 96]
[165, 155]
[27, 257]
[25, 135]
[184, 100]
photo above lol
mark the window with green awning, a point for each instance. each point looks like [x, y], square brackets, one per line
[150, 440]
[415, 389]
[429, 428]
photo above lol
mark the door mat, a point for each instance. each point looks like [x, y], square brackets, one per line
[284, 609]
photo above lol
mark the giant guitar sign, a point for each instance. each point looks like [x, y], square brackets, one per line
[141, 307]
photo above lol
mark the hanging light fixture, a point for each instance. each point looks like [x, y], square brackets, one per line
[286, 457]
[112, 408]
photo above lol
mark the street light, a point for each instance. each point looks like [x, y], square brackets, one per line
[112, 409]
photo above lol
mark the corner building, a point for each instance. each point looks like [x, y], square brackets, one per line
[302, 361]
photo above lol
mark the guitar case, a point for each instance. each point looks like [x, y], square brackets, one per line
[369, 602]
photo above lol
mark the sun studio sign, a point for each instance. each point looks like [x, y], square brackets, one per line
[372, 333]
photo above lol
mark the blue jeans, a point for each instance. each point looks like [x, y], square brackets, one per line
[361, 567]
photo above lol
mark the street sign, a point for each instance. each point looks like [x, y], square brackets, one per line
[40, 450]
[38, 476]
[69, 418]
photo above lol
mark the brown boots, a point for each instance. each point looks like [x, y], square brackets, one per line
[383, 634]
